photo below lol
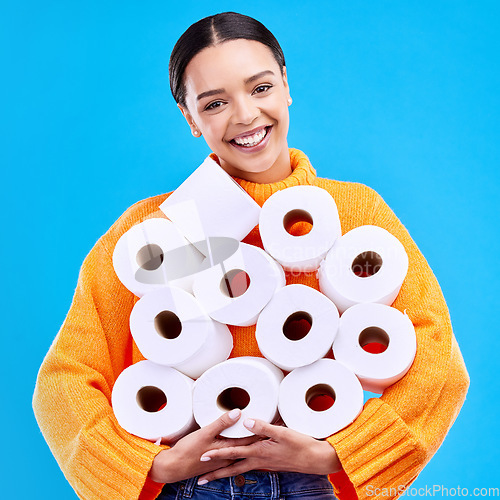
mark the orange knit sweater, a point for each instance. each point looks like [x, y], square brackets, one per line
[386, 446]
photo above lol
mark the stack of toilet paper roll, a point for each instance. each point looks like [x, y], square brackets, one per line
[194, 277]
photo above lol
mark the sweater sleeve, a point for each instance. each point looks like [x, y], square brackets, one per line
[73, 391]
[386, 447]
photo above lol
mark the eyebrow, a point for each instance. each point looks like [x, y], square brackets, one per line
[259, 75]
[210, 93]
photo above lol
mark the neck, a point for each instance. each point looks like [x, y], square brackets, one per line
[280, 170]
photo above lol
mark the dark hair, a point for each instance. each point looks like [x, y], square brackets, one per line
[210, 31]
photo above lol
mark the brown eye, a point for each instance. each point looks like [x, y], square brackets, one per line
[261, 89]
[214, 105]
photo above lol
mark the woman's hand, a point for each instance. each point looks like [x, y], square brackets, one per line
[283, 450]
[184, 460]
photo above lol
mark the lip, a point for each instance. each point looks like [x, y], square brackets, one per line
[258, 147]
[250, 132]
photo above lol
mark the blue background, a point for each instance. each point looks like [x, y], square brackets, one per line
[400, 95]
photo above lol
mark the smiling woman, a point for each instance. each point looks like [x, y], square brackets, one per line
[228, 77]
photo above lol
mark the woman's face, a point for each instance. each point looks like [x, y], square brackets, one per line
[238, 100]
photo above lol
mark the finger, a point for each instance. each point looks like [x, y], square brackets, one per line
[223, 422]
[227, 442]
[231, 470]
[261, 428]
[213, 465]
[232, 453]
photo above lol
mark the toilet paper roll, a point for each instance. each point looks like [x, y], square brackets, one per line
[299, 203]
[153, 401]
[154, 253]
[367, 264]
[171, 328]
[205, 205]
[375, 327]
[309, 387]
[249, 383]
[297, 327]
[237, 290]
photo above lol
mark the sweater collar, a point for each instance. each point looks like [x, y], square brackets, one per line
[303, 174]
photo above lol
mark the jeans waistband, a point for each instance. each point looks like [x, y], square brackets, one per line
[261, 484]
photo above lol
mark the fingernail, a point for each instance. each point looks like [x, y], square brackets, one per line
[234, 414]
[249, 423]
[205, 459]
[201, 482]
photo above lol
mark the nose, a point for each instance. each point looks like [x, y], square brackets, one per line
[245, 110]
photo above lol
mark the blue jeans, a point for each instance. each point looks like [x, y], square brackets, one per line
[253, 485]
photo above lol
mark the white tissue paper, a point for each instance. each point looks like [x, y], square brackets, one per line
[210, 203]
[299, 203]
[171, 328]
[297, 327]
[378, 325]
[223, 289]
[153, 402]
[367, 264]
[325, 379]
[153, 254]
[249, 383]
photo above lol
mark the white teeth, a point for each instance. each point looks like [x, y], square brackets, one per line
[252, 140]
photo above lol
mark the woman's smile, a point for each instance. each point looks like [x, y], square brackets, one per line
[253, 141]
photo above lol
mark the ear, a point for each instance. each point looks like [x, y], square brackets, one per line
[287, 88]
[189, 118]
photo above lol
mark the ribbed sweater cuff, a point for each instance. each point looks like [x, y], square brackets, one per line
[120, 462]
[378, 452]
[150, 490]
